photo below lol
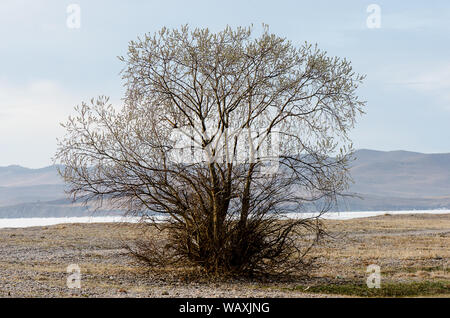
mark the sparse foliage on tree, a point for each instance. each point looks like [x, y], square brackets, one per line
[223, 133]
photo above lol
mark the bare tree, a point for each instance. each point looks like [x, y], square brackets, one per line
[263, 127]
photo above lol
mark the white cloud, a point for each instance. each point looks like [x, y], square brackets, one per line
[29, 121]
[430, 79]
[436, 81]
[35, 105]
[30, 117]
[414, 20]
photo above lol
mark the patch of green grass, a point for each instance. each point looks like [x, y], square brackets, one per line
[426, 288]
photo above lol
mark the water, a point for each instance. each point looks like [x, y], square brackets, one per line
[364, 214]
[28, 222]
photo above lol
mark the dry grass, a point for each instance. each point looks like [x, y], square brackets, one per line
[413, 252]
[409, 248]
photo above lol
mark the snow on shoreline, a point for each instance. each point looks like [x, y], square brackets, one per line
[29, 222]
[365, 214]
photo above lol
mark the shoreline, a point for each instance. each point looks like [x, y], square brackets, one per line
[48, 221]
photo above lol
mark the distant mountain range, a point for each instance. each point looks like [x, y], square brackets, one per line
[22, 185]
[400, 180]
[38, 193]
[393, 180]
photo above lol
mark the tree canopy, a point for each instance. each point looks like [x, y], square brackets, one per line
[223, 133]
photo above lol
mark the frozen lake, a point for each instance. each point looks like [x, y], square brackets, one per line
[365, 214]
[28, 222]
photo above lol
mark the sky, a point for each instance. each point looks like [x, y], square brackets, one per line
[50, 61]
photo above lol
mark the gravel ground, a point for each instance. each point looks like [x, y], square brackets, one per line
[33, 263]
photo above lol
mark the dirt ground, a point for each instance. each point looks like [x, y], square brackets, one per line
[412, 251]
